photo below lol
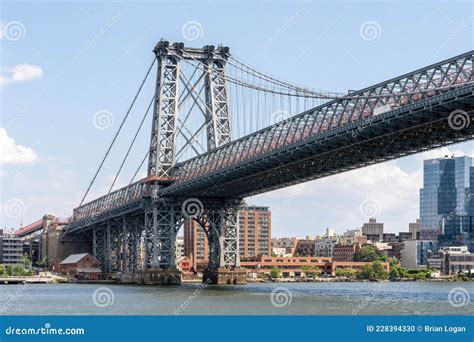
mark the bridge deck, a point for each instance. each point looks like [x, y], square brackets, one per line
[398, 117]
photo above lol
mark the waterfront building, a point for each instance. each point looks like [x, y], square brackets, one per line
[389, 237]
[305, 248]
[345, 252]
[414, 254]
[373, 230]
[414, 229]
[457, 260]
[351, 237]
[81, 266]
[405, 236]
[324, 247]
[180, 246]
[445, 201]
[288, 243]
[11, 249]
[254, 236]
[196, 246]
[255, 227]
[297, 266]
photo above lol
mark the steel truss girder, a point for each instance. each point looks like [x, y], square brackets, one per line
[162, 222]
[399, 92]
[245, 178]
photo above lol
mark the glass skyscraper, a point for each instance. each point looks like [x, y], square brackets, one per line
[446, 208]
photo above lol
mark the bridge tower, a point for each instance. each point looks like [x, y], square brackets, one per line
[164, 216]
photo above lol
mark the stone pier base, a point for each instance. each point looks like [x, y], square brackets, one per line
[224, 276]
[161, 277]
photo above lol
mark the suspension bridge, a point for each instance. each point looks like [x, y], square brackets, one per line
[222, 130]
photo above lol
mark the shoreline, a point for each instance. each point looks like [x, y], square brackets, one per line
[57, 280]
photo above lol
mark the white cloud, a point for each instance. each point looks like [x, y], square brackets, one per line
[20, 73]
[11, 153]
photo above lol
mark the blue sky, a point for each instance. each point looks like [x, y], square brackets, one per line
[68, 61]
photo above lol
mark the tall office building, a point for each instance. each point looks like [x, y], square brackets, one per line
[373, 230]
[445, 200]
[254, 236]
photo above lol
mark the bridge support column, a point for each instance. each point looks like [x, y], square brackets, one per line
[99, 247]
[162, 222]
[224, 259]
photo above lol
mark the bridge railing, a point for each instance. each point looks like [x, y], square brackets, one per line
[358, 105]
[115, 199]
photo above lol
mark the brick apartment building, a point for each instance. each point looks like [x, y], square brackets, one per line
[254, 236]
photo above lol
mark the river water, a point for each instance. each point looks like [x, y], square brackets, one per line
[387, 298]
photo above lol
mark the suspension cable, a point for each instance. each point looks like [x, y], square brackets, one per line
[131, 144]
[139, 167]
[320, 96]
[118, 131]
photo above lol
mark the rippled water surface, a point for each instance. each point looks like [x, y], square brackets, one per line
[385, 298]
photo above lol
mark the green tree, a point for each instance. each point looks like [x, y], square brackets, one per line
[379, 270]
[2, 269]
[43, 262]
[27, 261]
[368, 254]
[275, 273]
[373, 271]
[394, 273]
[345, 272]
